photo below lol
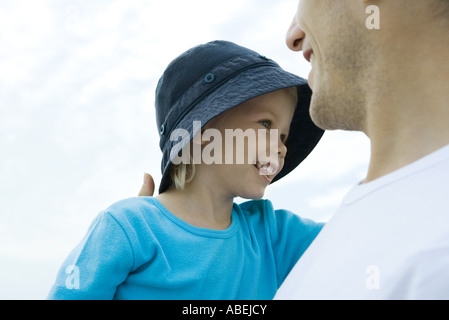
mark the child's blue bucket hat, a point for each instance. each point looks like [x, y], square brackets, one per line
[212, 78]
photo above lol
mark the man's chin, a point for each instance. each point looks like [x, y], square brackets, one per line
[336, 116]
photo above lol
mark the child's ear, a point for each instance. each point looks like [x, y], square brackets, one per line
[198, 138]
[212, 124]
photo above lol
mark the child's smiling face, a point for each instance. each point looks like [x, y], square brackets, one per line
[272, 113]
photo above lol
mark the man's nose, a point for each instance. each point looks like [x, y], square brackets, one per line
[295, 36]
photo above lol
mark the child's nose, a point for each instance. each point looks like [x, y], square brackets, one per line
[282, 152]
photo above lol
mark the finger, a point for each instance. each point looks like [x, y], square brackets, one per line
[147, 189]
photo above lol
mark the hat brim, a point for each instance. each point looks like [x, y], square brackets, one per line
[304, 134]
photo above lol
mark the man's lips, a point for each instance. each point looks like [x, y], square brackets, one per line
[307, 53]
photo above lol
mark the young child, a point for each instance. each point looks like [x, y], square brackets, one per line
[192, 241]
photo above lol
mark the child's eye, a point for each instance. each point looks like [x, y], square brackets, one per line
[266, 123]
[283, 138]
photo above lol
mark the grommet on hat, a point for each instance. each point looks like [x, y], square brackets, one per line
[212, 78]
[209, 78]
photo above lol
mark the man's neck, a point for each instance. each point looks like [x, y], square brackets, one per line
[409, 117]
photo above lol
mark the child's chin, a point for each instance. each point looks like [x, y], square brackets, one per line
[253, 195]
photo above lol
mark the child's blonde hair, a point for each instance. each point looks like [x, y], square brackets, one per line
[183, 173]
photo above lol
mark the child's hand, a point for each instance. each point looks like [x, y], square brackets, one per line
[147, 189]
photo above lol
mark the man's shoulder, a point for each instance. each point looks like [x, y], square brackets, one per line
[424, 275]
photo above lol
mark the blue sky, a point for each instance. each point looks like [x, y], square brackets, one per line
[77, 124]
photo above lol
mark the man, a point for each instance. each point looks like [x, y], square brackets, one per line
[390, 237]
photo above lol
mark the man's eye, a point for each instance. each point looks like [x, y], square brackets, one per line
[266, 123]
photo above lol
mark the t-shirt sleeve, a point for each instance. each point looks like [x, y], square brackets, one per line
[291, 238]
[98, 265]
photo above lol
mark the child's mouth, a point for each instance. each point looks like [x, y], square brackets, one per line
[267, 168]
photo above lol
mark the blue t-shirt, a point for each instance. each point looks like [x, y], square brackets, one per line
[137, 249]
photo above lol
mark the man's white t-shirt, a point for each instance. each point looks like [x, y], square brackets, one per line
[388, 240]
